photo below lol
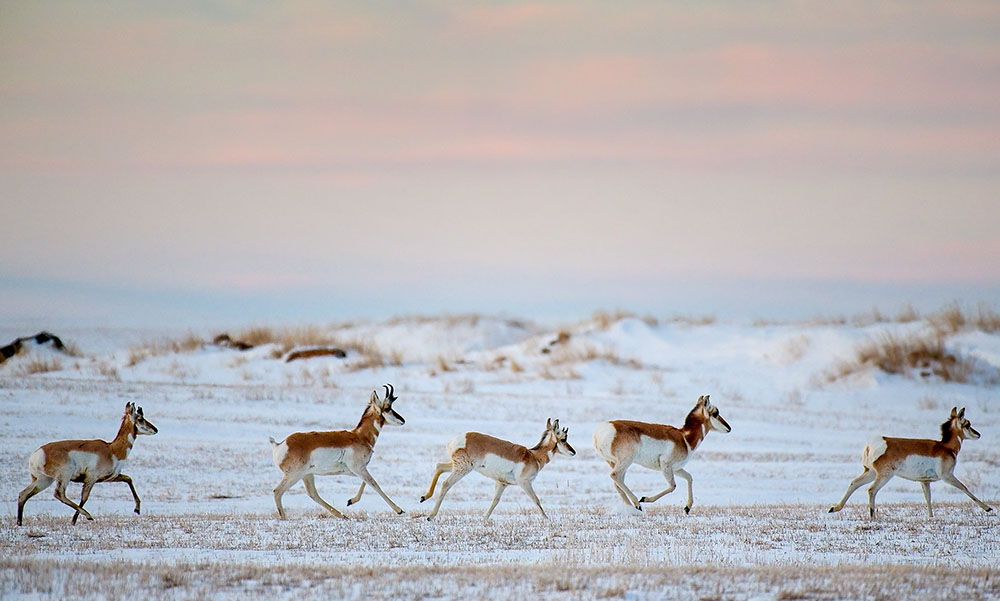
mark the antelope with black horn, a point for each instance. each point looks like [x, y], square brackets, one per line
[304, 455]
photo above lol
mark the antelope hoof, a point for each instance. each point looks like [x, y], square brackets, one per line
[642, 500]
[687, 509]
[137, 511]
[399, 512]
[350, 502]
[422, 499]
[989, 509]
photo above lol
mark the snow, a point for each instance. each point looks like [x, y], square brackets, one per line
[206, 478]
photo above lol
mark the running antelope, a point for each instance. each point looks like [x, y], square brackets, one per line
[87, 461]
[505, 462]
[920, 460]
[303, 455]
[658, 447]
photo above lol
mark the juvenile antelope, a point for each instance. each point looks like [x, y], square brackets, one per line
[87, 461]
[659, 447]
[920, 460]
[505, 462]
[304, 455]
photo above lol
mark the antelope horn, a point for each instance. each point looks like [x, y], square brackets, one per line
[388, 395]
[392, 392]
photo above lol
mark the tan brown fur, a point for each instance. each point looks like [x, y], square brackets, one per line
[917, 459]
[479, 445]
[86, 461]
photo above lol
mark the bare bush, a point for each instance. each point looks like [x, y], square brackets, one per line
[38, 365]
[693, 320]
[605, 319]
[925, 355]
[953, 319]
[157, 348]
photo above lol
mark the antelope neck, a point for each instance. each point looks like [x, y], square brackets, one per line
[124, 440]
[370, 426]
[542, 452]
[694, 431]
[954, 440]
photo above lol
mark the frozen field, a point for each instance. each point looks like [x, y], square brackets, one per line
[801, 412]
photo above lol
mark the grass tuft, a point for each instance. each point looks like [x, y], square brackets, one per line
[921, 355]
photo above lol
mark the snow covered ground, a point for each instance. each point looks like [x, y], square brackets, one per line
[759, 528]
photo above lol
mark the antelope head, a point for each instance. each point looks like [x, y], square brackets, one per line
[383, 406]
[712, 417]
[559, 435]
[142, 425]
[962, 425]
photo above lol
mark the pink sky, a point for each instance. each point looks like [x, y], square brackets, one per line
[486, 156]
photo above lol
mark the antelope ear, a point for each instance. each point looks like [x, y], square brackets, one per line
[705, 400]
[130, 407]
[548, 423]
[954, 411]
[374, 398]
[961, 413]
[555, 425]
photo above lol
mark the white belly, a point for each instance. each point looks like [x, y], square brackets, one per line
[498, 468]
[85, 464]
[920, 468]
[328, 462]
[652, 450]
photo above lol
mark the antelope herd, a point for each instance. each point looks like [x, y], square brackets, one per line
[303, 455]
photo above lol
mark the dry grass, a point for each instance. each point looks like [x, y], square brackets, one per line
[949, 320]
[603, 320]
[693, 320]
[732, 552]
[914, 355]
[582, 353]
[157, 348]
[286, 338]
[548, 579]
[361, 352]
[953, 319]
[38, 365]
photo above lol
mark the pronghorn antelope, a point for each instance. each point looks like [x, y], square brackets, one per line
[303, 455]
[87, 461]
[920, 460]
[658, 447]
[503, 461]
